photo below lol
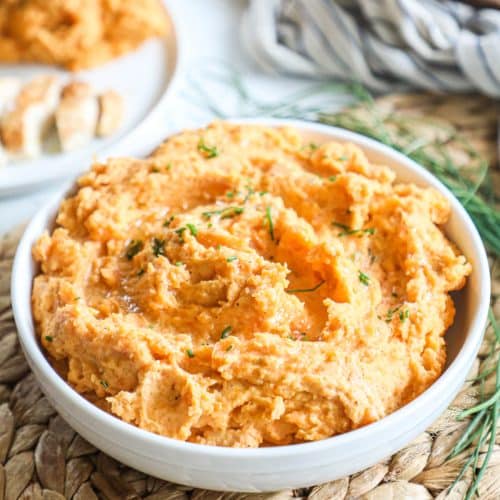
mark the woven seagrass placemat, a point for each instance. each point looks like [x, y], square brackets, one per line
[41, 457]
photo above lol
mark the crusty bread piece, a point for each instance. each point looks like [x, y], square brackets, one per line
[9, 89]
[111, 111]
[23, 127]
[76, 116]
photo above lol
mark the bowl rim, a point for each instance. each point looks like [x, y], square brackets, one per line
[29, 341]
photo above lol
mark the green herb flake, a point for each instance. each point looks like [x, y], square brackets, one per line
[230, 194]
[104, 384]
[168, 167]
[48, 338]
[141, 272]
[232, 258]
[304, 290]
[225, 213]
[262, 193]
[169, 221]
[270, 222]
[391, 312]
[133, 248]
[190, 353]
[229, 348]
[250, 192]
[226, 332]
[231, 212]
[347, 231]
[192, 229]
[179, 263]
[364, 278]
[403, 315]
[158, 247]
[155, 170]
[180, 233]
[343, 158]
[332, 178]
[313, 146]
[208, 151]
[76, 298]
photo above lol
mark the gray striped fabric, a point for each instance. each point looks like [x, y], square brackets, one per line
[386, 45]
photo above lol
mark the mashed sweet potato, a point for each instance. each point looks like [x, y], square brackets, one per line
[76, 34]
[242, 287]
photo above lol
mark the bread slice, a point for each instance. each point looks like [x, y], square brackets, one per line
[76, 116]
[23, 127]
[111, 112]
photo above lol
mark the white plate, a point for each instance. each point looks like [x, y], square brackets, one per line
[143, 77]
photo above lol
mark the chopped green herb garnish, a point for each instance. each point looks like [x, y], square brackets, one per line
[190, 353]
[76, 298]
[313, 146]
[179, 263]
[104, 384]
[270, 222]
[332, 178]
[169, 221]
[158, 247]
[180, 233]
[169, 166]
[226, 332]
[392, 312]
[229, 348]
[155, 170]
[232, 258]
[303, 290]
[343, 158]
[134, 247]
[262, 193]
[230, 194]
[48, 338]
[141, 272]
[192, 229]
[364, 278]
[208, 151]
[231, 212]
[225, 213]
[404, 315]
[250, 191]
[346, 230]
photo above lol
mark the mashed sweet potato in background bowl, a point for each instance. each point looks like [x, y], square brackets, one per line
[249, 287]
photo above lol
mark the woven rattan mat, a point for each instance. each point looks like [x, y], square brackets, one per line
[41, 457]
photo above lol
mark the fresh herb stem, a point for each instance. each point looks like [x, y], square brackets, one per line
[226, 332]
[346, 230]
[270, 223]
[364, 278]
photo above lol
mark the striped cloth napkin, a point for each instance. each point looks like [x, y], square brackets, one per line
[387, 45]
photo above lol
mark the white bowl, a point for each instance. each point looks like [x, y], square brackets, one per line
[273, 468]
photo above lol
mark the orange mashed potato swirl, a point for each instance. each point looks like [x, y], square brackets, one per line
[242, 287]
